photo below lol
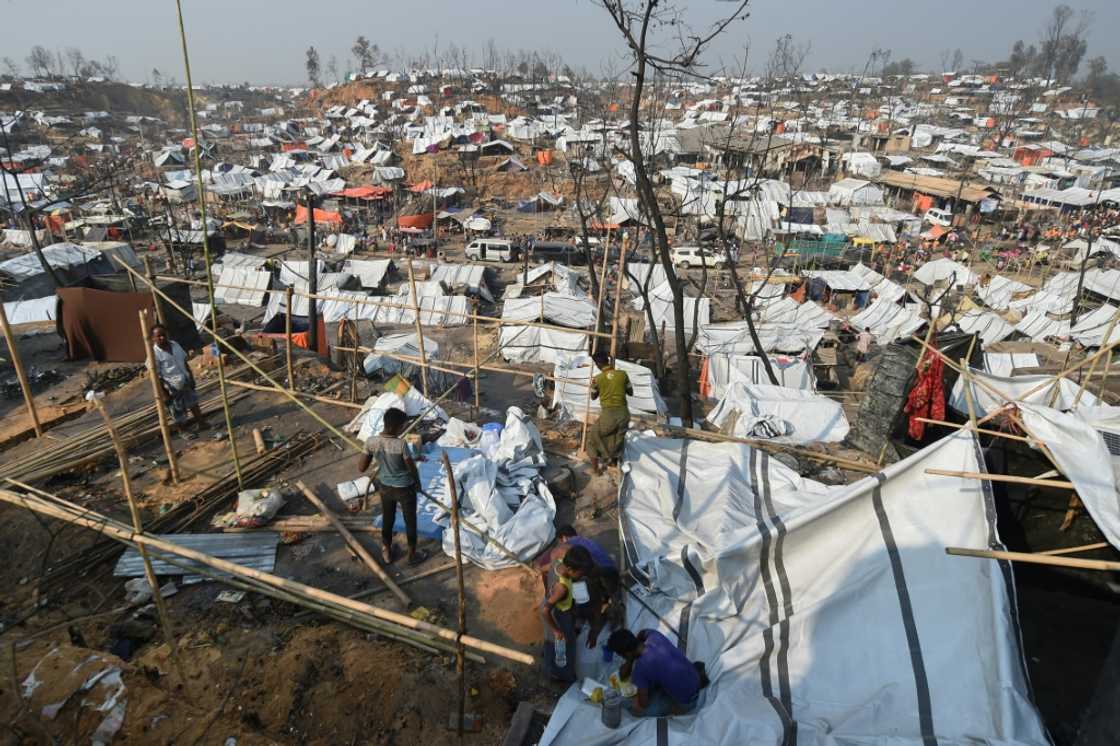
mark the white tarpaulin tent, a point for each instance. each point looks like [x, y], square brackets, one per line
[784, 415]
[571, 388]
[1033, 389]
[991, 327]
[661, 307]
[370, 272]
[888, 321]
[734, 338]
[825, 616]
[944, 269]
[534, 344]
[999, 291]
[792, 372]
[1085, 446]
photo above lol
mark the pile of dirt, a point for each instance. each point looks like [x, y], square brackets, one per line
[508, 599]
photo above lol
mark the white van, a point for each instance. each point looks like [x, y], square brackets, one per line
[937, 216]
[491, 250]
[687, 257]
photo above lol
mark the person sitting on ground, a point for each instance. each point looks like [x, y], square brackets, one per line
[397, 481]
[607, 436]
[175, 378]
[568, 588]
[603, 583]
[667, 682]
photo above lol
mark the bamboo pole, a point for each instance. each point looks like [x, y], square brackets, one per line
[288, 337]
[460, 668]
[206, 244]
[980, 430]
[444, 363]
[1036, 559]
[21, 374]
[149, 573]
[354, 544]
[64, 511]
[1064, 373]
[966, 371]
[152, 283]
[1075, 550]
[419, 330]
[1011, 479]
[591, 367]
[617, 299]
[477, 380]
[285, 392]
[157, 394]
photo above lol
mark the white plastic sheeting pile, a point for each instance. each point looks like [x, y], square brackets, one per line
[369, 421]
[990, 392]
[824, 615]
[506, 497]
[784, 415]
[572, 381]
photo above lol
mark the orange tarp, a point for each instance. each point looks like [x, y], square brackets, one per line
[423, 220]
[544, 157]
[423, 186]
[321, 216]
[365, 192]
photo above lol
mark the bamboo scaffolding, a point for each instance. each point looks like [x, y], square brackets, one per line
[460, 668]
[419, 330]
[17, 363]
[385, 303]
[288, 392]
[1036, 559]
[68, 513]
[980, 430]
[354, 545]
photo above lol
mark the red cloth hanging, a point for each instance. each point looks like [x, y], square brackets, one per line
[927, 398]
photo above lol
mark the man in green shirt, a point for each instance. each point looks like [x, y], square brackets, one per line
[606, 437]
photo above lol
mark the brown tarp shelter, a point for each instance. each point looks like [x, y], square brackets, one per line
[104, 324]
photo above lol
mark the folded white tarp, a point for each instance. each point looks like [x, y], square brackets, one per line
[571, 388]
[780, 414]
[368, 422]
[245, 287]
[1085, 445]
[990, 392]
[888, 320]
[825, 616]
[32, 310]
[792, 372]
[371, 272]
[989, 326]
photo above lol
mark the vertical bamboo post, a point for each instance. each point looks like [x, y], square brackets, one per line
[419, 329]
[149, 573]
[17, 363]
[966, 373]
[157, 394]
[288, 336]
[477, 383]
[152, 284]
[593, 343]
[617, 299]
[460, 668]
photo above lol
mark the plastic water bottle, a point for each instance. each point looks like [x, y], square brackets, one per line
[560, 652]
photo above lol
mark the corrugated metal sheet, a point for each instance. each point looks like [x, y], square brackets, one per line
[252, 549]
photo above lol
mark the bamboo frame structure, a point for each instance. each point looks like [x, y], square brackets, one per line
[1009, 478]
[74, 515]
[21, 374]
[1037, 559]
[460, 667]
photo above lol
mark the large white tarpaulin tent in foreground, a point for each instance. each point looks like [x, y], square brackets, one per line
[824, 615]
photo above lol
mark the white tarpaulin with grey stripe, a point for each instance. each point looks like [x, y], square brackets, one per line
[824, 615]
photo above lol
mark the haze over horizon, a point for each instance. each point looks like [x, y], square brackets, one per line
[264, 43]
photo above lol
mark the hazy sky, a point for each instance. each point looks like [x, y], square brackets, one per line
[264, 42]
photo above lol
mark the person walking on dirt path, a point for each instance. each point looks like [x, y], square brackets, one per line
[175, 378]
[606, 437]
[398, 481]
